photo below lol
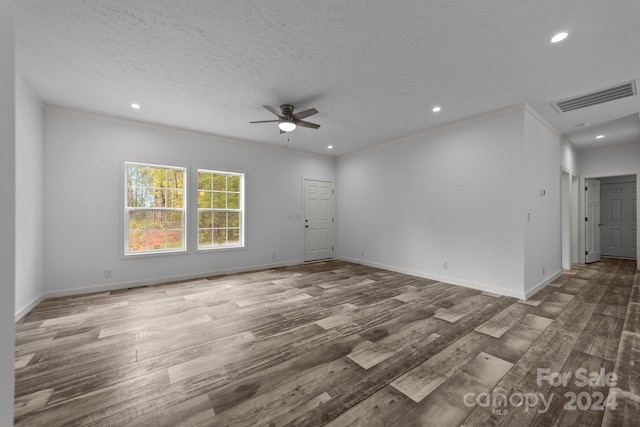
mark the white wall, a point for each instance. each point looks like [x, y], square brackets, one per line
[7, 210]
[568, 157]
[452, 195]
[29, 226]
[609, 161]
[83, 209]
[543, 239]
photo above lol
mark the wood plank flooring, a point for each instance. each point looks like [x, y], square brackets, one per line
[335, 344]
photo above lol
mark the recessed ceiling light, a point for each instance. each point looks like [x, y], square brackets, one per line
[330, 147]
[436, 109]
[599, 136]
[135, 106]
[583, 125]
[559, 37]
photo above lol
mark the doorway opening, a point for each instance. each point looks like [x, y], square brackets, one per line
[613, 231]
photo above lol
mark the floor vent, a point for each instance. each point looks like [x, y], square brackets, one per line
[598, 97]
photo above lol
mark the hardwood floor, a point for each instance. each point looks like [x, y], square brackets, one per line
[335, 344]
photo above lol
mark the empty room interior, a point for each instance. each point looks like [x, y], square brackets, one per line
[243, 213]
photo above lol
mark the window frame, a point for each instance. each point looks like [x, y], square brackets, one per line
[126, 209]
[241, 210]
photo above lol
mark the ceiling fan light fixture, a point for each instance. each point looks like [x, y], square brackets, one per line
[287, 125]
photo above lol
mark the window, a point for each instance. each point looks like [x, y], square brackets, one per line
[220, 209]
[154, 209]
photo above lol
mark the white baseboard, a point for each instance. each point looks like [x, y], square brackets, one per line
[445, 279]
[467, 284]
[161, 280]
[542, 285]
[27, 308]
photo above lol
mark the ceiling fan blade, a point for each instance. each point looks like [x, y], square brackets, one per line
[304, 124]
[274, 111]
[306, 113]
[266, 121]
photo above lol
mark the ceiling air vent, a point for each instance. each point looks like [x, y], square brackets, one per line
[612, 93]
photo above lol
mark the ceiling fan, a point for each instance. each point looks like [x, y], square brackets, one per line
[287, 121]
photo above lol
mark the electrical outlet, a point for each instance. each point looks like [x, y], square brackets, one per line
[445, 266]
[528, 217]
[108, 273]
[362, 252]
[273, 255]
[544, 271]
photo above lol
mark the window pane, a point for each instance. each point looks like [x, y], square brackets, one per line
[234, 236]
[174, 239]
[220, 219]
[205, 199]
[132, 196]
[205, 219]
[219, 200]
[234, 219]
[156, 239]
[174, 198]
[174, 220]
[205, 237]
[137, 220]
[140, 197]
[137, 240]
[220, 182]
[220, 236]
[233, 183]
[204, 181]
[233, 200]
[156, 220]
[175, 178]
[159, 198]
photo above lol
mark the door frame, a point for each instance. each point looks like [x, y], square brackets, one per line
[592, 221]
[303, 210]
[583, 243]
[570, 214]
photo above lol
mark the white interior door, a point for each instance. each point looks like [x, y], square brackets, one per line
[319, 202]
[592, 220]
[618, 219]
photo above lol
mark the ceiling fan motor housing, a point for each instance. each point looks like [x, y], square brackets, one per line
[287, 109]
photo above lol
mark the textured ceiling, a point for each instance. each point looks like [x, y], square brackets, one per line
[374, 69]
